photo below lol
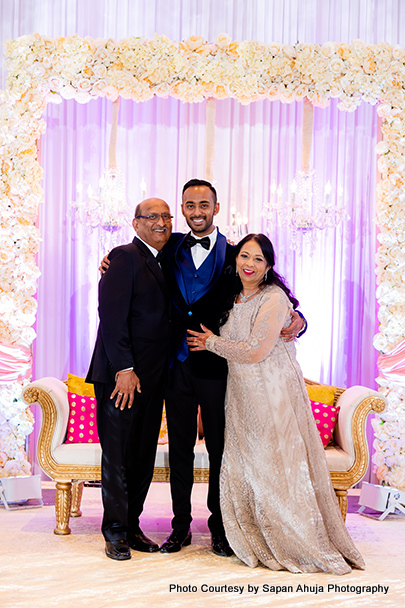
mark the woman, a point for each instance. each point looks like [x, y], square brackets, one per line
[277, 500]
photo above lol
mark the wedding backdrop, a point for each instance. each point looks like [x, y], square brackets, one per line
[346, 57]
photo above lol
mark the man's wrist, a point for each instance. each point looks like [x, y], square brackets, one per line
[123, 371]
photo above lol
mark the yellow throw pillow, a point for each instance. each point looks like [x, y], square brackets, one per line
[322, 393]
[78, 386]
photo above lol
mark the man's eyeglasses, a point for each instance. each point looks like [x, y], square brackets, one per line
[155, 217]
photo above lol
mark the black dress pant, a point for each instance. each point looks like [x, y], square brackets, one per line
[184, 394]
[128, 441]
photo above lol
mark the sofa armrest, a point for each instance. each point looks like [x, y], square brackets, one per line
[355, 404]
[51, 395]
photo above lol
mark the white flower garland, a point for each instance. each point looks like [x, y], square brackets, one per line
[45, 70]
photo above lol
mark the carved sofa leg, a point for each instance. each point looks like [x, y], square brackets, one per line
[77, 492]
[63, 501]
[342, 500]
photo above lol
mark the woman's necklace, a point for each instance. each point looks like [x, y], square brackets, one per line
[244, 299]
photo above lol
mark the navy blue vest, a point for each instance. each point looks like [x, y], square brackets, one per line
[194, 280]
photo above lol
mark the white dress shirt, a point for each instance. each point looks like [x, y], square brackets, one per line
[198, 253]
[152, 249]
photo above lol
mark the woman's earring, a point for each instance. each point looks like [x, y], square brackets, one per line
[265, 276]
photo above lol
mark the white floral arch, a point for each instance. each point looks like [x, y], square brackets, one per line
[43, 70]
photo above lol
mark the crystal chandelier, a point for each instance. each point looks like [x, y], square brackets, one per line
[238, 227]
[105, 208]
[305, 212]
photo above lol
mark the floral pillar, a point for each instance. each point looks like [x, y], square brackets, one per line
[389, 427]
[20, 194]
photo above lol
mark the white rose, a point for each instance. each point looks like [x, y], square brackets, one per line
[223, 40]
[382, 147]
[162, 90]
[328, 49]
[194, 42]
[398, 52]
[98, 89]
[100, 70]
[382, 472]
[290, 51]
[384, 110]
[274, 48]
[274, 91]
[300, 92]
[336, 65]
[84, 84]
[67, 92]
[380, 342]
[382, 164]
[378, 458]
[287, 96]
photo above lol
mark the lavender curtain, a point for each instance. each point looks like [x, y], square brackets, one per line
[163, 142]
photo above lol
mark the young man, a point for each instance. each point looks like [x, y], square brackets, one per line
[200, 273]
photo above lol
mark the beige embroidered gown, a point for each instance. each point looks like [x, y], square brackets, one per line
[277, 500]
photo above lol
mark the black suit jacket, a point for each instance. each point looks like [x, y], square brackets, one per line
[134, 311]
[207, 309]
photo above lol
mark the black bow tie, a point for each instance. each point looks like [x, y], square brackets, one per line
[190, 241]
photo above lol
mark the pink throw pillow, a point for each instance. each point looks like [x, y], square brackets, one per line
[325, 419]
[82, 426]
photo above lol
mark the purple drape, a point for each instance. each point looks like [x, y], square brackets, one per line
[163, 141]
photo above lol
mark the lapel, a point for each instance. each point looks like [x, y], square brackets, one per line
[177, 270]
[219, 252]
[152, 264]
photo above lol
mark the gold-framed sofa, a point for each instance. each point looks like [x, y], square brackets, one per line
[69, 465]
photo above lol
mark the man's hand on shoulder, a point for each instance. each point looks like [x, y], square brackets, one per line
[104, 265]
[291, 332]
[127, 382]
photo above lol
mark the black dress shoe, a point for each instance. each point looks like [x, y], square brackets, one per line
[220, 545]
[117, 549]
[176, 540]
[139, 542]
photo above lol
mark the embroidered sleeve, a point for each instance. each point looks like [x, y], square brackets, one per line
[266, 328]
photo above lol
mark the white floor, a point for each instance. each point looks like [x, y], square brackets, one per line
[39, 569]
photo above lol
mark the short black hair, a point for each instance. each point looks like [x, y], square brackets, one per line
[138, 210]
[200, 182]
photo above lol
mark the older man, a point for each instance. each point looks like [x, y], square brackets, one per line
[128, 369]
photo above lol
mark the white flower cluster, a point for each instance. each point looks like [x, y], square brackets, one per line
[389, 427]
[389, 442]
[16, 422]
[139, 68]
[20, 194]
[45, 69]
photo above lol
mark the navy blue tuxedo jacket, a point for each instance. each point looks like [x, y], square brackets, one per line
[206, 309]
